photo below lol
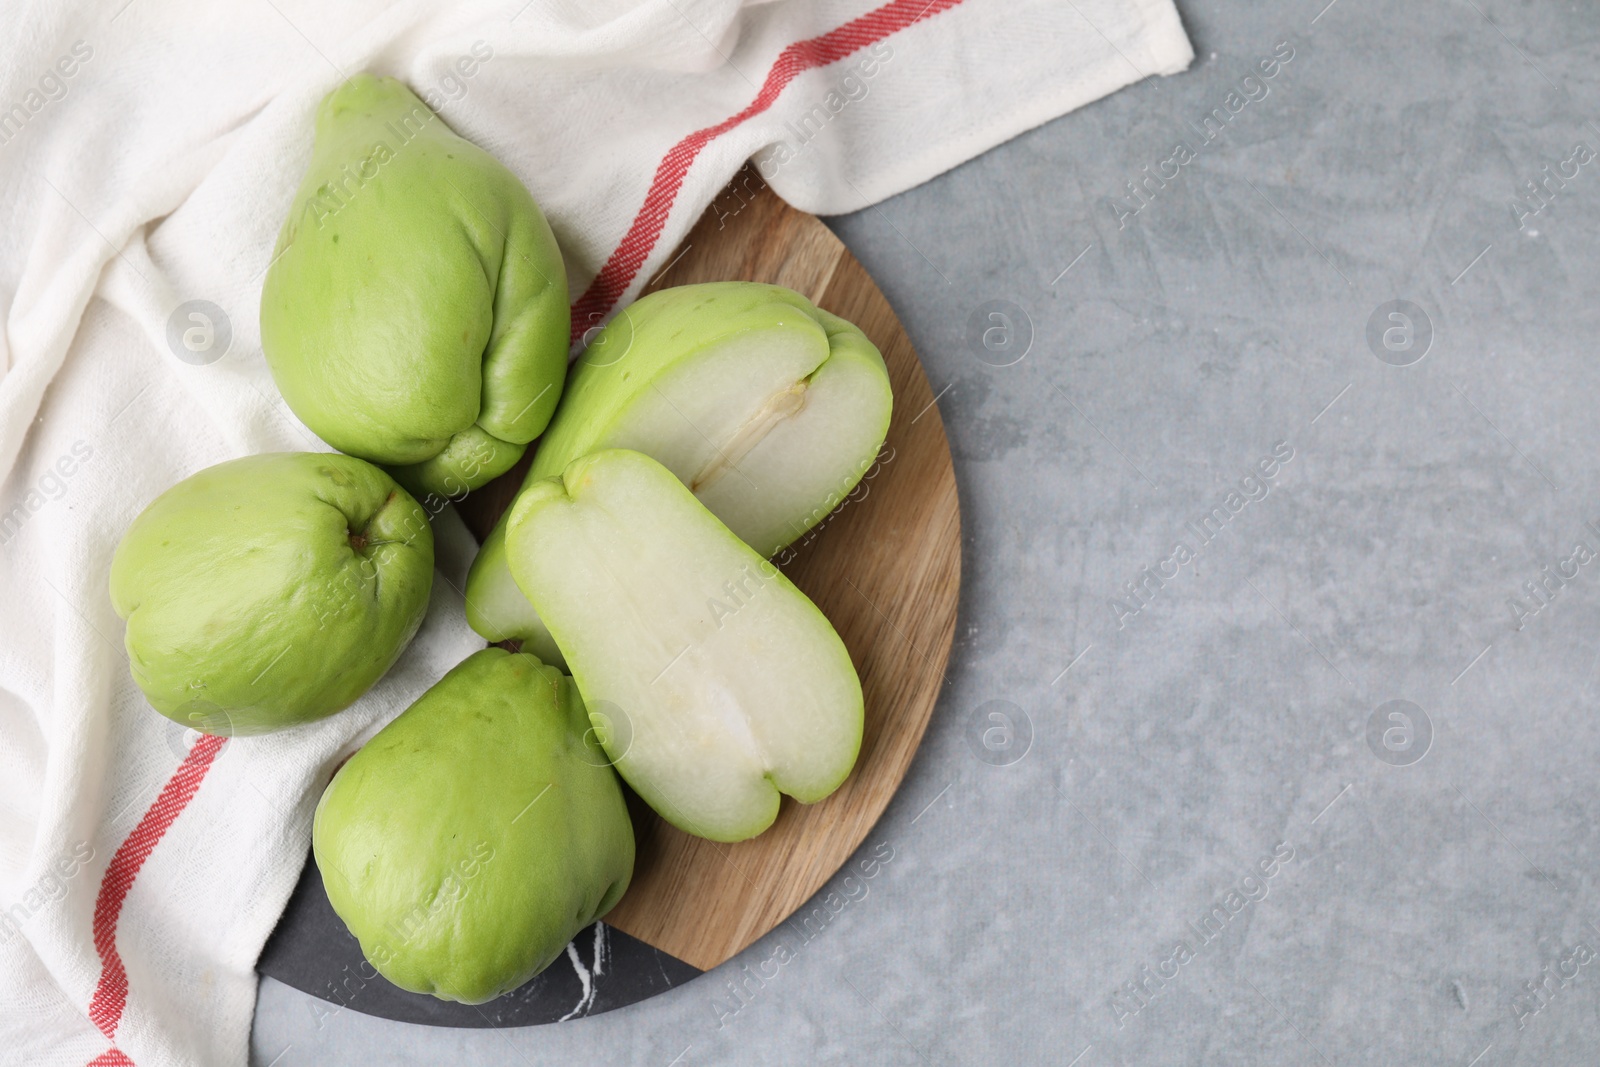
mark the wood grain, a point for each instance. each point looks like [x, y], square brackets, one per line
[885, 567]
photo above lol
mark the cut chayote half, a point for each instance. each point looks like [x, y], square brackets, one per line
[768, 408]
[723, 685]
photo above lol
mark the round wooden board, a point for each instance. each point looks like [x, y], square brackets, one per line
[884, 567]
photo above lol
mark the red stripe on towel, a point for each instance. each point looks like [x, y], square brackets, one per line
[623, 266]
[111, 992]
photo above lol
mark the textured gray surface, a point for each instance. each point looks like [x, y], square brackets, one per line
[1231, 713]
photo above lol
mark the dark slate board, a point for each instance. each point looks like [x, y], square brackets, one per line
[603, 969]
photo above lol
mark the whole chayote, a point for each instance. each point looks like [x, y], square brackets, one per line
[415, 312]
[468, 841]
[271, 590]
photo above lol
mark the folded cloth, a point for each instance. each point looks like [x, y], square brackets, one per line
[149, 150]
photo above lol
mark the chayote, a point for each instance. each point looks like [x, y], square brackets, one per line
[271, 590]
[415, 312]
[468, 841]
[767, 407]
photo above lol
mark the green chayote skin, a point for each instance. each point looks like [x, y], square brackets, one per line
[271, 590]
[415, 313]
[468, 841]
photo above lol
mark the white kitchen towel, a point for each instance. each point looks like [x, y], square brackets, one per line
[149, 150]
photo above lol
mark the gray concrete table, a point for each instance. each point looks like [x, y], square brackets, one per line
[1318, 786]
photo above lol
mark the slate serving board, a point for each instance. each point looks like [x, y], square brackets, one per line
[884, 567]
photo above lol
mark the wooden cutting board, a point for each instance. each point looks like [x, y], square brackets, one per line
[885, 567]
